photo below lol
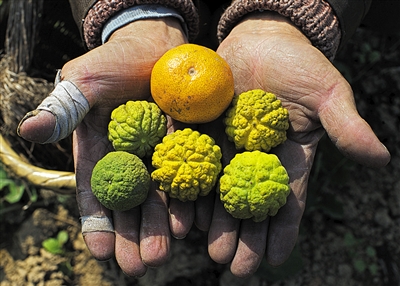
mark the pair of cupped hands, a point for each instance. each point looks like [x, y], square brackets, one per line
[264, 51]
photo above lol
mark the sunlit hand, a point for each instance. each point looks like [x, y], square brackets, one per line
[266, 51]
[108, 76]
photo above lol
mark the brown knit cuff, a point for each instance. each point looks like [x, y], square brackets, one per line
[104, 9]
[315, 18]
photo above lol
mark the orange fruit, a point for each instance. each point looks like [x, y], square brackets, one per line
[192, 84]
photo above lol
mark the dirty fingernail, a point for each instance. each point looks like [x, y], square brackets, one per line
[37, 126]
[100, 244]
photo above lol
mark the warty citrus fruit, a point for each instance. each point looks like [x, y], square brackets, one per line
[192, 84]
[120, 181]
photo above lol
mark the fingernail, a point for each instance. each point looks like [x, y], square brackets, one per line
[386, 155]
[36, 126]
[100, 244]
[28, 115]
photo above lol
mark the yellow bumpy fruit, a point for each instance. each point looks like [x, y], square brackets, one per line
[136, 127]
[256, 120]
[187, 164]
[254, 185]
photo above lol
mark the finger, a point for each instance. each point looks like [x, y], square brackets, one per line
[154, 231]
[251, 247]
[181, 217]
[37, 126]
[57, 116]
[97, 229]
[283, 231]
[349, 132]
[204, 211]
[284, 226]
[181, 214]
[84, 82]
[87, 150]
[127, 253]
[223, 235]
[205, 205]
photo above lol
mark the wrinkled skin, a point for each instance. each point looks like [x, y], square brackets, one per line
[108, 76]
[265, 51]
[274, 56]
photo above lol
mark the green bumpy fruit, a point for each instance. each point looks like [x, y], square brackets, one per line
[256, 120]
[136, 127]
[186, 164]
[120, 181]
[254, 185]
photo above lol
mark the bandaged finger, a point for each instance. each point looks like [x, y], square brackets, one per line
[93, 223]
[68, 105]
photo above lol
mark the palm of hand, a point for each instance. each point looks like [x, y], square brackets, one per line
[278, 58]
[108, 76]
[266, 66]
[299, 75]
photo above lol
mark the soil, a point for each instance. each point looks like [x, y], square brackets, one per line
[349, 233]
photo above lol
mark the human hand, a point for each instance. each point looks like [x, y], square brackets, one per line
[108, 76]
[266, 51]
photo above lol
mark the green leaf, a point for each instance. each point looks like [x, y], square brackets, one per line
[5, 182]
[55, 245]
[373, 269]
[359, 265]
[3, 173]
[371, 252]
[365, 47]
[62, 237]
[33, 195]
[15, 193]
[52, 245]
[350, 240]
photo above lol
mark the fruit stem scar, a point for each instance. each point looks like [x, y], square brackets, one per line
[192, 71]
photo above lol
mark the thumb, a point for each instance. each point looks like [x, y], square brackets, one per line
[351, 134]
[57, 116]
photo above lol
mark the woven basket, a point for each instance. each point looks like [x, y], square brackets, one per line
[40, 37]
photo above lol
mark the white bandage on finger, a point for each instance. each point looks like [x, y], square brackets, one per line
[91, 223]
[69, 106]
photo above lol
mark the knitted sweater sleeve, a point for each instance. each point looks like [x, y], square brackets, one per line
[92, 15]
[327, 23]
[350, 14]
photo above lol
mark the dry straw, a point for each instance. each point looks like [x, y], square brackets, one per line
[20, 93]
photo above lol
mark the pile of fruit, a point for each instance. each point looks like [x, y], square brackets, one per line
[193, 84]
